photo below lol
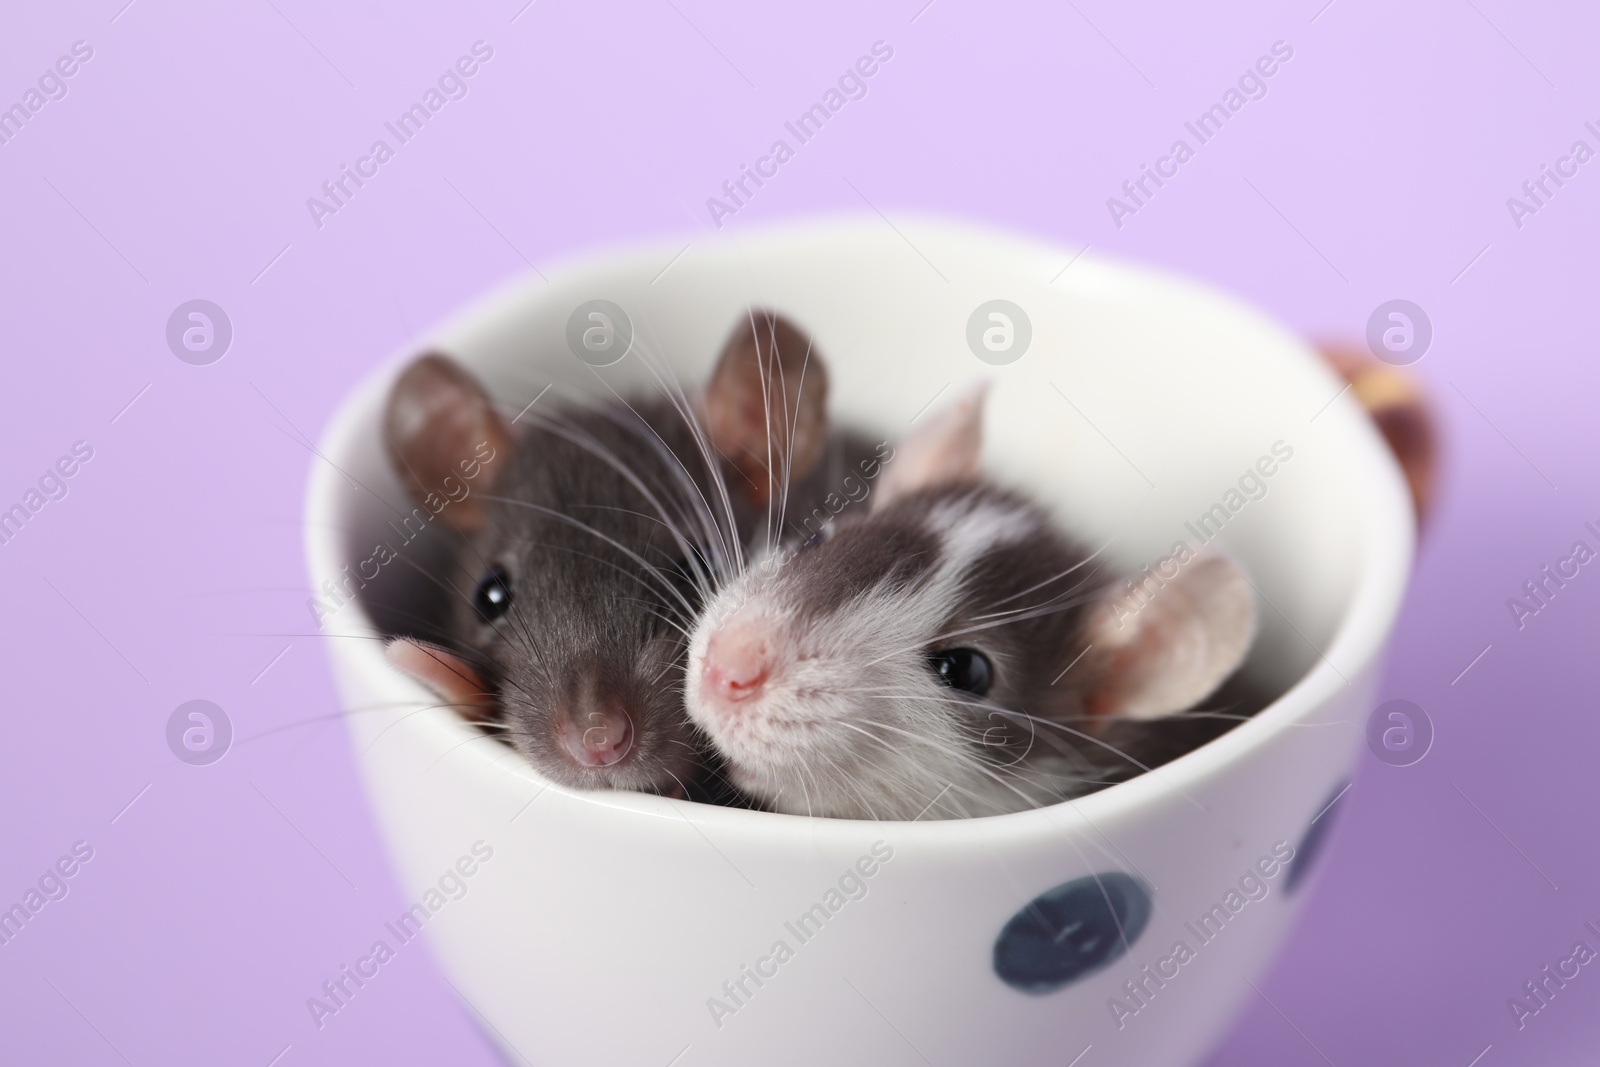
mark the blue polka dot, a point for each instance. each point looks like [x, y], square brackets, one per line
[1315, 835]
[1071, 931]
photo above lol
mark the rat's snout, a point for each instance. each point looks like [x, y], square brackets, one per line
[596, 733]
[739, 658]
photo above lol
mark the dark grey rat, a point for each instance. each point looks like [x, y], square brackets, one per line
[949, 650]
[590, 537]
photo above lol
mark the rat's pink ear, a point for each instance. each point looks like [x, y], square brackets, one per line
[944, 449]
[1162, 650]
[766, 406]
[446, 440]
[449, 676]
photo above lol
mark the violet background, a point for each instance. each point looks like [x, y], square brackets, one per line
[179, 165]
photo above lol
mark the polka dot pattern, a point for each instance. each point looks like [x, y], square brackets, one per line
[1311, 844]
[1071, 931]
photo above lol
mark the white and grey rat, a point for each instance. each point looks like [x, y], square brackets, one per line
[950, 650]
[587, 544]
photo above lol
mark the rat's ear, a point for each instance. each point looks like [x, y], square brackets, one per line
[1172, 651]
[766, 407]
[446, 440]
[943, 449]
[447, 675]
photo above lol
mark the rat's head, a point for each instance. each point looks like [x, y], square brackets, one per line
[946, 645]
[588, 536]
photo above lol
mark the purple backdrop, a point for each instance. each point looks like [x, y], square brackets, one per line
[177, 166]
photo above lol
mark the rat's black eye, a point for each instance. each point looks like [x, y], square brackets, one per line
[965, 669]
[493, 598]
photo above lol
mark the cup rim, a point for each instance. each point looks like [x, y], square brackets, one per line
[1386, 529]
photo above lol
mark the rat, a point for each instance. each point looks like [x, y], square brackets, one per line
[589, 537]
[950, 648]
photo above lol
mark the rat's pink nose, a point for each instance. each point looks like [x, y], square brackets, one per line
[738, 658]
[597, 736]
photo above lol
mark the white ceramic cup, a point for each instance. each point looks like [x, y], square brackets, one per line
[619, 928]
